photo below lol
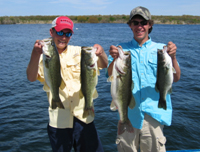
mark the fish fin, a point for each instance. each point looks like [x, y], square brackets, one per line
[46, 87]
[94, 72]
[62, 85]
[162, 104]
[120, 77]
[170, 90]
[156, 87]
[166, 71]
[55, 104]
[132, 85]
[113, 107]
[168, 66]
[127, 126]
[110, 79]
[88, 111]
[173, 69]
[132, 102]
[46, 64]
[81, 94]
[95, 94]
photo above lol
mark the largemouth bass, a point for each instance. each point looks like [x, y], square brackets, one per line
[121, 90]
[89, 78]
[164, 80]
[51, 65]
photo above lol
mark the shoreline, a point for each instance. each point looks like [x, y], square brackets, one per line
[181, 20]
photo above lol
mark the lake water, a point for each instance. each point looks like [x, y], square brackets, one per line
[23, 105]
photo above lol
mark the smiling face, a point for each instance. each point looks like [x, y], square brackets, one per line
[60, 41]
[140, 31]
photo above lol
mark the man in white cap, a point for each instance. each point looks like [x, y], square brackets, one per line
[67, 128]
[146, 117]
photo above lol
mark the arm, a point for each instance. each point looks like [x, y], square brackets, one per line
[103, 59]
[171, 49]
[32, 69]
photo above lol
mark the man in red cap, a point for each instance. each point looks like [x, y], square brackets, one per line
[67, 128]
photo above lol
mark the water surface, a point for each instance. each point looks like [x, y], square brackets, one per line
[24, 106]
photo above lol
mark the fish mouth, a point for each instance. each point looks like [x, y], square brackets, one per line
[47, 56]
[87, 49]
[92, 65]
[121, 72]
[161, 51]
[126, 55]
[123, 55]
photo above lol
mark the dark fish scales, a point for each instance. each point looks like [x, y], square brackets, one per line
[121, 90]
[51, 65]
[164, 76]
[89, 78]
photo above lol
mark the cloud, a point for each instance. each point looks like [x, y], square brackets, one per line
[76, 2]
[86, 5]
[84, 2]
[13, 1]
[100, 2]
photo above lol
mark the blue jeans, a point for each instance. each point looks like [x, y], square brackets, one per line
[82, 137]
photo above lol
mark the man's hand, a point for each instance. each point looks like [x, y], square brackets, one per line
[171, 49]
[114, 51]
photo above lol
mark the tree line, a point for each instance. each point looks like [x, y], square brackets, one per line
[184, 19]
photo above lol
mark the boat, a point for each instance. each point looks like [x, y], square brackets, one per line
[191, 150]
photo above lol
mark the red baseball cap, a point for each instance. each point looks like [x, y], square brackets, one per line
[62, 22]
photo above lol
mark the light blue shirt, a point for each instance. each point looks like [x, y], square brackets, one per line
[144, 70]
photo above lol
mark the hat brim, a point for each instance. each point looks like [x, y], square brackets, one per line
[60, 28]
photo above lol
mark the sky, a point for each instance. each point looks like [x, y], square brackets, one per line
[96, 7]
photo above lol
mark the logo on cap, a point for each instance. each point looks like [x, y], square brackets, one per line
[63, 21]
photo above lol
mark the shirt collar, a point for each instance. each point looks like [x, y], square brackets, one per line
[147, 43]
[64, 50]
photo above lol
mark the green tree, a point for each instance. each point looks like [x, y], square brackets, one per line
[81, 19]
[112, 19]
[93, 19]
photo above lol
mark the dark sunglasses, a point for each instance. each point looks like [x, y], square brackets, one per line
[61, 33]
[141, 23]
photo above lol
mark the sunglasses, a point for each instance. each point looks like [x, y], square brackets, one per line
[141, 23]
[61, 33]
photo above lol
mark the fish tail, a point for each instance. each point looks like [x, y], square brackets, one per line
[55, 104]
[127, 126]
[88, 111]
[162, 104]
